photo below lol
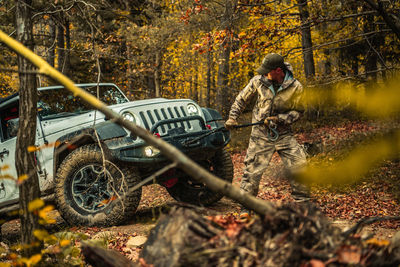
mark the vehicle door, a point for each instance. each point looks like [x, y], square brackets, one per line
[45, 181]
[8, 179]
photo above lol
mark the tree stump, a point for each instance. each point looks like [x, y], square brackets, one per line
[177, 233]
[295, 235]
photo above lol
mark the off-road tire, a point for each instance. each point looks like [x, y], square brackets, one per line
[118, 209]
[186, 190]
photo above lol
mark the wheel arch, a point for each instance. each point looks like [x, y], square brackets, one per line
[67, 144]
[211, 114]
[73, 140]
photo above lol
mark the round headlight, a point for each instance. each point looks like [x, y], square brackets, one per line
[129, 116]
[148, 151]
[151, 151]
[192, 109]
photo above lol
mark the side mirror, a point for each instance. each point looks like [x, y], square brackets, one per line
[12, 127]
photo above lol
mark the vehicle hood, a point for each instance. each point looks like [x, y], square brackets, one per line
[77, 122]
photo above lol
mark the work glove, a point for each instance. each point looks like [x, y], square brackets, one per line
[273, 119]
[230, 123]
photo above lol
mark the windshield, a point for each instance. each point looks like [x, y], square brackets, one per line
[60, 102]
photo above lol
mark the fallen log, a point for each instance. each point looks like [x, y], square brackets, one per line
[296, 235]
[181, 230]
[99, 257]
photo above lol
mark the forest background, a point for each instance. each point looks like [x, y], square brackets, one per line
[208, 50]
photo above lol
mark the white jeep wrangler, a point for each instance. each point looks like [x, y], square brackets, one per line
[94, 162]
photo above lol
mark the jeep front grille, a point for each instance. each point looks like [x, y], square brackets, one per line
[150, 117]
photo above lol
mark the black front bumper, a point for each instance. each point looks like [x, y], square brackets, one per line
[197, 145]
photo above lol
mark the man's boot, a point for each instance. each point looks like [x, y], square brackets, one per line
[300, 192]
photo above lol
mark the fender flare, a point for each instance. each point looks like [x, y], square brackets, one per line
[101, 132]
[211, 114]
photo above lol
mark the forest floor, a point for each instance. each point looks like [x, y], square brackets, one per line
[377, 194]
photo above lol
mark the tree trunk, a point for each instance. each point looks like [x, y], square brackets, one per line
[196, 83]
[223, 80]
[209, 72]
[223, 68]
[327, 67]
[213, 86]
[51, 52]
[60, 44]
[24, 161]
[67, 63]
[157, 72]
[306, 40]
[354, 64]
[371, 63]
[150, 84]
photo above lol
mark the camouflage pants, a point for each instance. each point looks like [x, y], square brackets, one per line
[259, 154]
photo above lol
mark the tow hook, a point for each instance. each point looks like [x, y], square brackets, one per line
[170, 182]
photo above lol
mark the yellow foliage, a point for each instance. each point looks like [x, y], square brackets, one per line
[40, 234]
[44, 214]
[35, 259]
[32, 148]
[373, 102]
[376, 242]
[22, 178]
[356, 164]
[35, 204]
[64, 242]
[36, 148]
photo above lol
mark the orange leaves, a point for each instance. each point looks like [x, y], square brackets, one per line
[36, 148]
[106, 201]
[196, 9]
[22, 178]
[211, 39]
[349, 254]
[230, 223]
[32, 148]
[44, 215]
[378, 243]
[233, 230]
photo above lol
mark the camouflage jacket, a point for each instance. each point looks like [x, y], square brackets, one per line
[285, 102]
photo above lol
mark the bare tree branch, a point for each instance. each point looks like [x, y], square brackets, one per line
[391, 20]
[360, 224]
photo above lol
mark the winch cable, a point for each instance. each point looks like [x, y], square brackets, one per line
[272, 134]
[194, 140]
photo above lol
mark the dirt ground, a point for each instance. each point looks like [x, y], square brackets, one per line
[150, 208]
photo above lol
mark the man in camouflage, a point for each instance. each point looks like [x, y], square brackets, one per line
[278, 97]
